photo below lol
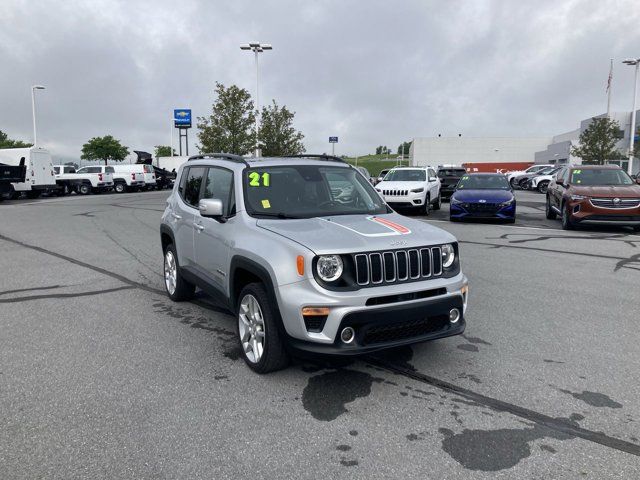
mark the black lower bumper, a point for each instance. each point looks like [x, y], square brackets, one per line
[393, 326]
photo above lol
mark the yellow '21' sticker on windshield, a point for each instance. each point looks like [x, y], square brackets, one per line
[257, 180]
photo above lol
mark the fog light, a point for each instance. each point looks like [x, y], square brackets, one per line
[347, 335]
[454, 315]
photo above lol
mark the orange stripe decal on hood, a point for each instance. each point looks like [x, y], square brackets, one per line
[392, 225]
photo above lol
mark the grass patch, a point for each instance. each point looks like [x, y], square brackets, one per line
[375, 163]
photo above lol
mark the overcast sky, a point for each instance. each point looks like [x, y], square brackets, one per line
[370, 72]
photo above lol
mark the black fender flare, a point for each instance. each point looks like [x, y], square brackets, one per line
[240, 262]
[165, 230]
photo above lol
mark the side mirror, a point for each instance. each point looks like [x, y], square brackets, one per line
[210, 207]
[559, 181]
[432, 179]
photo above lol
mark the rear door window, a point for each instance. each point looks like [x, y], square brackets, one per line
[192, 184]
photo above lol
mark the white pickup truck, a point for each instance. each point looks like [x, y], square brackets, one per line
[82, 181]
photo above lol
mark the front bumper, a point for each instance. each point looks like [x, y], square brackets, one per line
[584, 212]
[377, 326]
[477, 210]
[411, 200]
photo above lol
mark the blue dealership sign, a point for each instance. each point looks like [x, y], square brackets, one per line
[333, 139]
[182, 118]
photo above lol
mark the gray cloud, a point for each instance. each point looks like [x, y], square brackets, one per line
[370, 72]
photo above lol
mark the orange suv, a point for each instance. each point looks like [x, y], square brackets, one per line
[594, 194]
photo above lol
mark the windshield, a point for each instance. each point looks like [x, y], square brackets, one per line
[600, 177]
[305, 191]
[406, 176]
[451, 172]
[483, 182]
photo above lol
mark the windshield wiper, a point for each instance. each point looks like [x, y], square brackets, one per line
[275, 215]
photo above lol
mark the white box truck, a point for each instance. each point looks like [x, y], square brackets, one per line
[39, 176]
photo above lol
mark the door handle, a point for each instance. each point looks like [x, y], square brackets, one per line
[199, 227]
[176, 216]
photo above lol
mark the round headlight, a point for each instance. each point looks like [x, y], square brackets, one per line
[448, 255]
[329, 267]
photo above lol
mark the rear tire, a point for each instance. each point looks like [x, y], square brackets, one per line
[175, 285]
[120, 187]
[549, 213]
[258, 330]
[84, 189]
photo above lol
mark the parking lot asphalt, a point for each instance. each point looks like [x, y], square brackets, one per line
[102, 376]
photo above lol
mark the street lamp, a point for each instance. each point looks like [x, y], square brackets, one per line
[33, 111]
[257, 48]
[636, 63]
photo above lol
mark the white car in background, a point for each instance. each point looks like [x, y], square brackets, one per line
[513, 176]
[541, 182]
[411, 187]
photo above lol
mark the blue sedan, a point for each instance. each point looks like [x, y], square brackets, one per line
[483, 195]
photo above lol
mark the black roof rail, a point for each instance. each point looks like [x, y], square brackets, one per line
[222, 156]
[326, 158]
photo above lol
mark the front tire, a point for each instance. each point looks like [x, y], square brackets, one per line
[438, 204]
[567, 224]
[175, 285]
[543, 187]
[426, 208]
[514, 183]
[258, 331]
[549, 213]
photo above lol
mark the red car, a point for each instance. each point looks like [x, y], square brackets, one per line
[594, 194]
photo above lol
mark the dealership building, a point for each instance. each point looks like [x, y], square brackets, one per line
[511, 153]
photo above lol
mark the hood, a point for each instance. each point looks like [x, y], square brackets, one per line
[622, 191]
[357, 233]
[491, 196]
[403, 185]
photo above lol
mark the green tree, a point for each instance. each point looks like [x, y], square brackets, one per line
[382, 150]
[104, 148]
[598, 142]
[636, 145]
[6, 142]
[163, 151]
[230, 127]
[403, 148]
[278, 137]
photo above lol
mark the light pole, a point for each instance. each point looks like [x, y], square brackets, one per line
[33, 111]
[257, 48]
[636, 63]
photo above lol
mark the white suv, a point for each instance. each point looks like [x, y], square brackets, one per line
[411, 187]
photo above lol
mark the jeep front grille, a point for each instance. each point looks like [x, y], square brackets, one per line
[395, 193]
[397, 266]
[611, 202]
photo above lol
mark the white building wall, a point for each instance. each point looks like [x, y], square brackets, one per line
[458, 150]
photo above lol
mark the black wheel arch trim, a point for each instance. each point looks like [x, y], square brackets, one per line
[240, 262]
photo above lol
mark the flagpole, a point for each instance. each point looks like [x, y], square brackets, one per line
[609, 90]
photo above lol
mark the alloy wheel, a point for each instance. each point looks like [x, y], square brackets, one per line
[170, 272]
[251, 328]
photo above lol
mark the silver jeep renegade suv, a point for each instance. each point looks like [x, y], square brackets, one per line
[308, 257]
